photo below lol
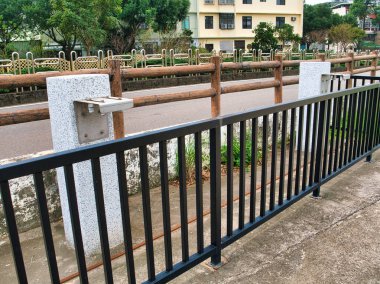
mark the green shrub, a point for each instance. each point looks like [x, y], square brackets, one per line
[236, 151]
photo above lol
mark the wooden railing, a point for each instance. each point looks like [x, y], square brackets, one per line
[215, 67]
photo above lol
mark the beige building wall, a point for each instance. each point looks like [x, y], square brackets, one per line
[259, 11]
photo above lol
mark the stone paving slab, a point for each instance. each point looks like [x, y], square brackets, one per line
[332, 240]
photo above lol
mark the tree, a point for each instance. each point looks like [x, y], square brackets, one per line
[168, 14]
[264, 38]
[11, 22]
[345, 34]
[286, 33]
[161, 15]
[318, 36]
[68, 21]
[319, 17]
[360, 9]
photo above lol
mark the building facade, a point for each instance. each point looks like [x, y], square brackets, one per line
[228, 24]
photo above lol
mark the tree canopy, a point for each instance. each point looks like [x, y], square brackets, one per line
[318, 19]
[344, 34]
[11, 22]
[161, 15]
[286, 33]
[67, 21]
[264, 38]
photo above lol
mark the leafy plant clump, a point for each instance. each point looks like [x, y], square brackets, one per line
[236, 152]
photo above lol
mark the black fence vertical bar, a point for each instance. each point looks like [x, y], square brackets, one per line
[75, 222]
[272, 191]
[313, 143]
[46, 228]
[349, 128]
[332, 135]
[377, 128]
[102, 223]
[254, 138]
[372, 121]
[198, 190]
[339, 83]
[338, 128]
[13, 232]
[125, 216]
[284, 131]
[166, 204]
[264, 167]
[353, 115]
[326, 142]
[299, 150]
[183, 198]
[291, 152]
[343, 127]
[242, 174]
[306, 148]
[368, 125]
[215, 194]
[230, 181]
[320, 145]
[366, 122]
[144, 176]
[358, 130]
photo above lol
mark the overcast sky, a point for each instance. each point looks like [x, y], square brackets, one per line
[316, 1]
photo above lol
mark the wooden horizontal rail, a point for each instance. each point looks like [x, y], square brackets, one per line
[166, 71]
[290, 81]
[250, 86]
[363, 70]
[39, 79]
[294, 63]
[339, 60]
[365, 57]
[175, 97]
[24, 116]
[249, 65]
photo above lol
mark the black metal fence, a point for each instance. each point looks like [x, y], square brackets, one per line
[294, 149]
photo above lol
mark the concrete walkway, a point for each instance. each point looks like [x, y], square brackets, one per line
[332, 240]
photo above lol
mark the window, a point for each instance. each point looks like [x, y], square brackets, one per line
[247, 22]
[209, 22]
[280, 21]
[186, 24]
[247, 1]
[263, 0]
[280, 2]
[209, 1]
[209, 47]
[240, 44]
[227, 2]
[226, 21]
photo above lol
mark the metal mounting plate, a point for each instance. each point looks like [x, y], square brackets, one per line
[91, 126]
[92, 123]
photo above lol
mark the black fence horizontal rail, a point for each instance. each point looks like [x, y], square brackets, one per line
[329, 133]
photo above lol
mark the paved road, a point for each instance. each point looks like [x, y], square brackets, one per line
[27, 138]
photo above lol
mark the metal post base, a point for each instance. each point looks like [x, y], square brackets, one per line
[213, 267]
[368, 159]
[316, 194]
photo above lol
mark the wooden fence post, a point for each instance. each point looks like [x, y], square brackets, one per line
[215, 84]
[374, 64]
[322, 57]
[350, 68]
[116, 91]
[278, 77]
